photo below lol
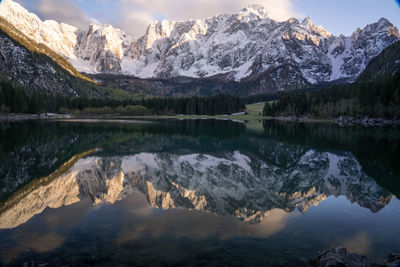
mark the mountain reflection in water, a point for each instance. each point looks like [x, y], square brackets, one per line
[207, 179]
[232, 185]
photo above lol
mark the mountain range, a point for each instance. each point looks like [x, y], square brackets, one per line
[247, 52]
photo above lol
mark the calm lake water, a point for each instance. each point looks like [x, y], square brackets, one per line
[195, 192]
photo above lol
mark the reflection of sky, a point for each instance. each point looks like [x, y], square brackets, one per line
[333, 222]
[130, 223]
[343, 223]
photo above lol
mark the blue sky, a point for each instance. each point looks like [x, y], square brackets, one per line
[336, 16]
[344, 16]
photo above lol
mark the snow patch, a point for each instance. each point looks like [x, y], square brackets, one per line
[82, 65]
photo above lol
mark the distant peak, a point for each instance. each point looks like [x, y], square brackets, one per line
[381, 24]
[307, 21]
[256, 9]
[293, 20]
[15, 13]
[384, 21]
[12, 5]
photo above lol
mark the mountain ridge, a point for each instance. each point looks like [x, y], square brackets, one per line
[242, 47]
[39, 48]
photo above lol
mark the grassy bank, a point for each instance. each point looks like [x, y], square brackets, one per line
[252, 113]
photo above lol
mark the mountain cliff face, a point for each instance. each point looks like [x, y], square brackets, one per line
[102, 48]
[84, 49]
[233, 184]
[59, 37]
[383, 66]
[37, 69]
[34, 71]
[247, 46]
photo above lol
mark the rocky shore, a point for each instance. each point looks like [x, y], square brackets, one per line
[346, 121]
[366, 121]
[293, 119]
[341, 257]
[25, 117]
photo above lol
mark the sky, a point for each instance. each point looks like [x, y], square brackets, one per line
[133, 16]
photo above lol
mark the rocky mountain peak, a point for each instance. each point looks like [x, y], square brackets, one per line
[60, 37]
[253, 11]
[382, 25]
[293, 20]
[246, 46]
[14, 8]
[102, 46]
[307, 22]
[384, 22]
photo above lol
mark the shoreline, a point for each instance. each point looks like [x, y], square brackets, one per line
[344, 121]
[26, 117]
[240, 118]
[340, 256]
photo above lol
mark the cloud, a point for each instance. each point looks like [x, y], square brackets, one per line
[64, 11]
[137, 13]
[197, 225]
[360, 244]
[134, 21]
[133, 16]
[40, 242]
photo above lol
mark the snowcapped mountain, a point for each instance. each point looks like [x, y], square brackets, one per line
[59, 37]
[34, 71]
[247, 46]
[102, 48]
[64, 39]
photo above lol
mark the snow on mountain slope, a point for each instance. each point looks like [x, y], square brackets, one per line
[59, 37]
[244, 46]
[351, 55]
[36, 73]
[102, 47]
[86, 50]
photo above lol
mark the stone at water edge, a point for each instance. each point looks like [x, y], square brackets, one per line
[338, 257]
[341, 257]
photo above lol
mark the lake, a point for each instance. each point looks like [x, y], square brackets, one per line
[195, 192]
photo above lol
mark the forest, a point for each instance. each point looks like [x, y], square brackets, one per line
[379, 98]
[14, 99]
[376, 93]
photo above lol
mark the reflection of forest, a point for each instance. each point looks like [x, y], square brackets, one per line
[32, 150]
[377, 149]
[244, 177]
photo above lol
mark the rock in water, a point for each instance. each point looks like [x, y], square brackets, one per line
[393, 260]
[337, 257]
